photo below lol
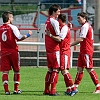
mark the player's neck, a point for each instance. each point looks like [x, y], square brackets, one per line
[8, 22]
[52, 16]
[63, 24]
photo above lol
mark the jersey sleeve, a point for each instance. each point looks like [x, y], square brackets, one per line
[63, 32]
[84, 30]
[55, 24]
[16, 31]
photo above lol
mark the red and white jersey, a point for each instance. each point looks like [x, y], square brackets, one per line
[66, 38]
[9, 34]
[86, 32]
[53, 26]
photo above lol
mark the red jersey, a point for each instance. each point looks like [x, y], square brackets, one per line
[9, 34]
[66, 38]
[86, 32]
[53, 26]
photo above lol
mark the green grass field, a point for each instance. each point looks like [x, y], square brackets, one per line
[32, 85]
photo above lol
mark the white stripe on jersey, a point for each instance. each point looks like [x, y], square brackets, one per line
[66, 61]
[84, 30]
[87, 60]
[63, 32]
[55, 24]
[16, 31]
[58, 57]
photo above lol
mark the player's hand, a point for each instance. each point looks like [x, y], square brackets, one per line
[48, 32]
[70, 24]
[30, 32]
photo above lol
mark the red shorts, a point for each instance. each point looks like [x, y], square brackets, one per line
[85, 60]
[64, 62]
[53, 60]
[10, 61]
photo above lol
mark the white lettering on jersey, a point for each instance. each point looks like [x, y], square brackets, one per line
[4, 36]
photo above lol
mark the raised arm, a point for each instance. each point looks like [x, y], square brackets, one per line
[26, 36]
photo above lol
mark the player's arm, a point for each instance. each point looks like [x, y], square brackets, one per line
[83, 33]
[19, 36]
[55, 25]
[70, 25]
[56, 38]
[62, 34]
[26, 36]
[77, 41]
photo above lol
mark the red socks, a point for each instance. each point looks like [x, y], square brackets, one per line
[16, 81]
[5, 81]
[78, 78]
[53, 81]
[68, 79]
[47, 82]
[69, 82]
[94, 77]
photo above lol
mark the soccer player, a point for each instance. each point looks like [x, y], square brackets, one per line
[53, 51]
[65, 53]
[9, 34]
[86, 52]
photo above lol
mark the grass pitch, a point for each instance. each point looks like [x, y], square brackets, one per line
[32, 85]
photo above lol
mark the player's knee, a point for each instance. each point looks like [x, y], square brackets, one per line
[64, 72]
[80, 69]
[89, 70]
[16, 82]
[56, 70]
[17, 72]
[50, 70]
[5, 82]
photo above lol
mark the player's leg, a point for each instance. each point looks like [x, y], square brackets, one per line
[55, 61]
[16, 83]
[48, 75]
[47, 82]
[71, 89]
[68, 81]
[91, 71]
[95, 79]
[80, 72]
[15, 59]
[65, 65]
[53, 81]
[5, 67]
[5, 82]
[79, 76]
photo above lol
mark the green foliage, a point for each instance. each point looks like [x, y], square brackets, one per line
[32, 85]
[18, 9]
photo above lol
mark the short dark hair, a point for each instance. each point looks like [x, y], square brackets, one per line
[62, 17]
[84, 15]
[5, 16]
[54, 8]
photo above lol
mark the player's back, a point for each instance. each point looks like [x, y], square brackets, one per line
[7, 39]
[65, 43]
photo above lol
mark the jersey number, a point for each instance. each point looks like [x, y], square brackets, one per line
[4, 36]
